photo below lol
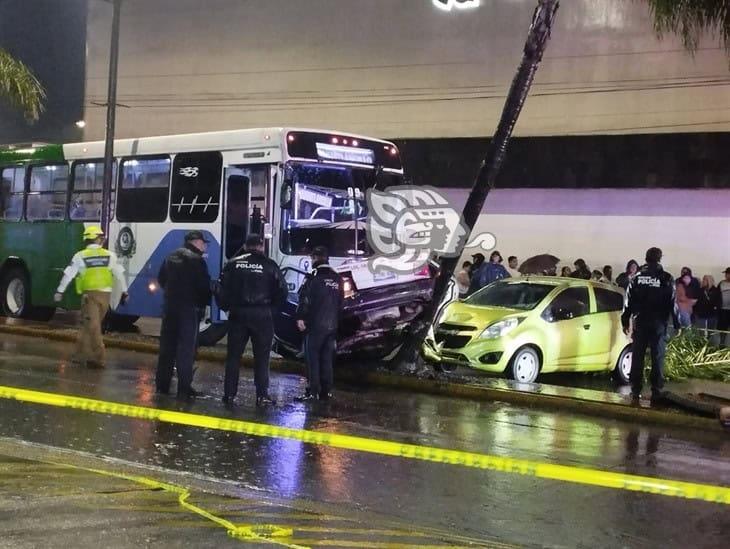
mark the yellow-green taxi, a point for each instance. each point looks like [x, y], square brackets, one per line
[531, 325]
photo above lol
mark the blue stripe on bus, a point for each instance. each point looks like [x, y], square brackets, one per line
[145, 302]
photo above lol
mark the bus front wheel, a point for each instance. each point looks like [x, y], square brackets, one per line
[209, 334]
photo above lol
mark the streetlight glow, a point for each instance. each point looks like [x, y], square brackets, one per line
[81, 123]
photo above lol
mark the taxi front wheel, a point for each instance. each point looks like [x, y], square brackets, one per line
[525, 365]
[622, 370]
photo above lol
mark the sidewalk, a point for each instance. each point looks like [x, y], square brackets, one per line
[586, 401]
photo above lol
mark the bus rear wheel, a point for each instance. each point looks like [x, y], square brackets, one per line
[15, 297]
[115, 322]
[15, 293]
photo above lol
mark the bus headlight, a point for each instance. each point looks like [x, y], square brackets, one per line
[500, 328]
[348, 286]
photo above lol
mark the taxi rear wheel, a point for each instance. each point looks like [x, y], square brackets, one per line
[525, 365]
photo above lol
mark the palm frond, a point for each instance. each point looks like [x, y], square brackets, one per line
[20, 87]
[690, 19]
[691, 355]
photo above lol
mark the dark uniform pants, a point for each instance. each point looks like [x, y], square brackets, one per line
[178, 344]
[319, 349]
[651, 334]
[255, 323]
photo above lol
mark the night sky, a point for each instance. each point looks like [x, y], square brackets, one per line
[50, 37]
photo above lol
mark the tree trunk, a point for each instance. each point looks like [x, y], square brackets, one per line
[535, 45]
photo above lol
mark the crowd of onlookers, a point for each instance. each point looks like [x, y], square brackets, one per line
[705, 305]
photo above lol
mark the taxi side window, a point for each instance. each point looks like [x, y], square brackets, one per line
[608, 301]
[568, 304]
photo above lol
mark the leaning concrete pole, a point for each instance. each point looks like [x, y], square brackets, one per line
[537, 37]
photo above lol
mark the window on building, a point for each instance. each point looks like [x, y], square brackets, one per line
[11, 193]
[143, 189]
[196, 187]
[87, 184]
[608, 301]
[47, 193]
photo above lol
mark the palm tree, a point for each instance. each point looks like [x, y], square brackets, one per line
[537, 38]
[20, 87]
[690, 19]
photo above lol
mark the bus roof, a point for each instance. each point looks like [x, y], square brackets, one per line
[27, 152]
[254, 138]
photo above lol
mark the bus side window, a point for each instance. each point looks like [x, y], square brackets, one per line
[144, 192]
[86, 190]
[196, 187]
[47, 193]
[11, 193]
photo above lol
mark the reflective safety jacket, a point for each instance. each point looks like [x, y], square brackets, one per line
[96, 275]
[94, 269]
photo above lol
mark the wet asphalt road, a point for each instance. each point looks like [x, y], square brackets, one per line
[479, 505]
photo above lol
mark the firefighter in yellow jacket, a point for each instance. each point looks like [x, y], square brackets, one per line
[95, 270]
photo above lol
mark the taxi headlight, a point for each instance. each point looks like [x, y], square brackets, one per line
[500, 328]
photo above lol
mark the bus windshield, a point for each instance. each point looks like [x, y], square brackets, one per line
[328, 208]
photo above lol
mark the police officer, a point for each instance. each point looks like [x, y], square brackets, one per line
[251, 286]
[650, 302]
[318, 314]
[95, 270]
[184, 278]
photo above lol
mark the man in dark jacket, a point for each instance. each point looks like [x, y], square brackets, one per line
[184, 278]
[581, 270]
[251, 286]
[694, 288]
[318, 315]
[488, 272]
[650, 301]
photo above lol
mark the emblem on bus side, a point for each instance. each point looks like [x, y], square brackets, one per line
[190, 171]
[126, 245]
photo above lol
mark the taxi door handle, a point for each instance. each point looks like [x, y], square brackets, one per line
[586, 326]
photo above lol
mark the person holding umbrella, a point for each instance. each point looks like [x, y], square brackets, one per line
[543, 264]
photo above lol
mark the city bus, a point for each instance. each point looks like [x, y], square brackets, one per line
[297, 188]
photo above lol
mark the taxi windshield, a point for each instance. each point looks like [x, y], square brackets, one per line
[524, 296]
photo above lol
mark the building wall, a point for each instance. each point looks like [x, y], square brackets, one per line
[677, 160]
[397, 68]
[609, 226]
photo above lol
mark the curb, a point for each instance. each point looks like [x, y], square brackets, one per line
[419, 385]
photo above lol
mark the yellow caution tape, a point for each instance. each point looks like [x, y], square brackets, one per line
[578, 475]
[263, 533]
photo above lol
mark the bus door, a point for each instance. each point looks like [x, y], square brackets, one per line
[247, 206]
